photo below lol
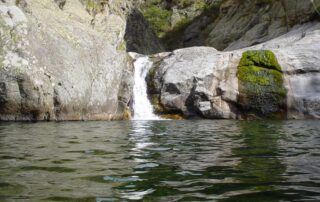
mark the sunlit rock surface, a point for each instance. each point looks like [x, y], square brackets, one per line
[67, 60]
[58, 62]
[203, 82]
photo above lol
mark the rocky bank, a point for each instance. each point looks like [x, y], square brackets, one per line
[68, 59]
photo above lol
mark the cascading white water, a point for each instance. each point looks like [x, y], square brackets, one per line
[142, 107]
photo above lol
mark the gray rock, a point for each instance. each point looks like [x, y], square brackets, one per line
[202, 81]
[64, 64]
[233, 24]
[139, 35]
[60, 3]
[60, 60]
[189, 78]
[244, 24]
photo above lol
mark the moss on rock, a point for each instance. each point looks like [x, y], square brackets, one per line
[261, 58]
[261, 85]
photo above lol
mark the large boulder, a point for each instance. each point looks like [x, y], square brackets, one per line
[61, 62]
[276, 79]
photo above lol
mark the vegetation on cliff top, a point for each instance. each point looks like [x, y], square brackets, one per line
[166, 16]
[159, 18]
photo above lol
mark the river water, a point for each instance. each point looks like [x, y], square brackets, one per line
[160, 161]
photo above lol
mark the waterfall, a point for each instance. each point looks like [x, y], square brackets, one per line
[142, 107]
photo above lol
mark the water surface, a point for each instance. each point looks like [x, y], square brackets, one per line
[160, 161]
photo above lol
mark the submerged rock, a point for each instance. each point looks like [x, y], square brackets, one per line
[276, 79]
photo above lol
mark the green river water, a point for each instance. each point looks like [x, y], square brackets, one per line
[197, 160]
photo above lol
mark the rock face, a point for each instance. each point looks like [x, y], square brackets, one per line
[58, 62]
[234, 24]
[167, 15]
[140, 37]
[246, 23]
[67, 59]
[282, 82]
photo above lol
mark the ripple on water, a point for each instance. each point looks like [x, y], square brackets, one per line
[49, 169]
[136, 195]
[62, 198]
[198, 160]
[107, 179]
[146, 166]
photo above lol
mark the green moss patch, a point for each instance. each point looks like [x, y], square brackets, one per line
[261, 90]
[261, 58]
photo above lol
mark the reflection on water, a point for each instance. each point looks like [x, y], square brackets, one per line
[160, 161]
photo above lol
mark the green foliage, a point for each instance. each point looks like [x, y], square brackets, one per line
[159, 14]
[181, 24]
[159, 18]
[199, 5]
[261, 84]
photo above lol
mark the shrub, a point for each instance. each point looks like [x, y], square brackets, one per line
[159, 18]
